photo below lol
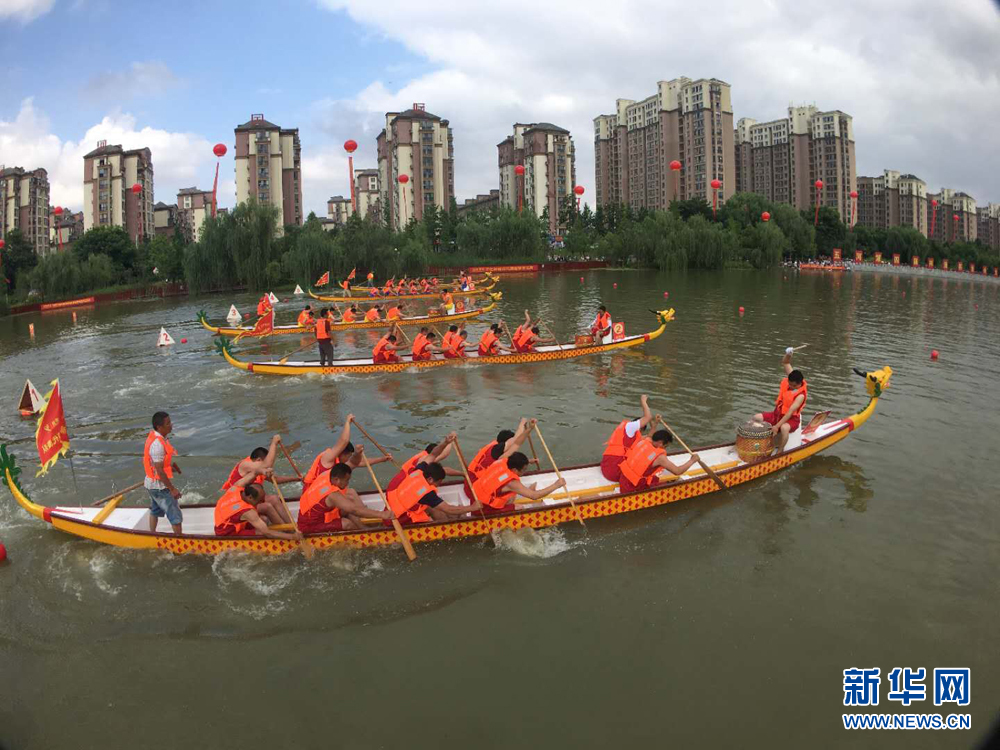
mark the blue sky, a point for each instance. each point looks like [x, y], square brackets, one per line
[179, 76]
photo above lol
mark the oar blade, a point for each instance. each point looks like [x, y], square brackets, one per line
[405, 539]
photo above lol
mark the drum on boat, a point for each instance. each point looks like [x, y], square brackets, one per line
[583, 339]
[754, 441]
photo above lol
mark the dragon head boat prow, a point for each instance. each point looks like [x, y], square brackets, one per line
[876, 382]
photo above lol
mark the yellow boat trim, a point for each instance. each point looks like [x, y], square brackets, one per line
[432, 295]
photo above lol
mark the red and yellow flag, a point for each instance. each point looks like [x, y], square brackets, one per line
[352, 274]
[51, 437]
[323, 280]
[265, 324]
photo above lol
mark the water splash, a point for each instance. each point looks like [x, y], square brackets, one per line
[541, 544]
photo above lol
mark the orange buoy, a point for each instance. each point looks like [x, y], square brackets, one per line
[31, 329]
[934, 353]
[184, 341]
[581, 279]
[666, 294]
[3, 552]
[742, 310]
[615, 285]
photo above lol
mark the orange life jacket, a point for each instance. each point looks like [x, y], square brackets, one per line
[483, 458]
[619, 442]
[323, 329]
[447, 300]
[387, 288]
[406, 497]
[313, 509]
[488, 487]
[522, 340]
[420, 345]
[372, 315]
[263, 306]
[424, 286]
[456, 349]
[348, 316]
[488, 342]
[601, 322]
[393, 314]
[235, 476]
[446, 339]
[786, 396]
[305, 319]
[380, 347]
[228, 510]
[168, 456]
[316, 469]
[639, 460]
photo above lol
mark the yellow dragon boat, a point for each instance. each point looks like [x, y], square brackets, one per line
[417, 320]
[389, 297]
[594, 498]
[367, 365]
[453, 283]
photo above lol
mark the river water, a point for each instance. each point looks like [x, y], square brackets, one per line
[721, 621]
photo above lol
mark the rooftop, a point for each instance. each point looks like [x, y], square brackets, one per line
[257, 122]
[547, 126]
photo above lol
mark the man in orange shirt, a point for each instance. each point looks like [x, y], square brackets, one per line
[372, 316]
[789, 404]
[323, 337]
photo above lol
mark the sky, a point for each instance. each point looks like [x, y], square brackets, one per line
[920, 78]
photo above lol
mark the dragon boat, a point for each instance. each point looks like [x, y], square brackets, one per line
[367, 365]
[417, 320]
[489, 277]
[593, 496]
[381, 297]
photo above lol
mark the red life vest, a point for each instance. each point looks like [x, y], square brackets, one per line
[323, 329]
[348, 316]
[380, 351]
[231, 506]
[168, 456]
[619, 442]
[488, 342]
[488, 487]
[482, 459]
[786, 396]
[456, 350]
[235, 476]
[406, 497]
[313, 509]
[420, 346]
[305, 319]
[393, 314]
[601, 323]
[639, 459]
[522, 340]
[446, 339]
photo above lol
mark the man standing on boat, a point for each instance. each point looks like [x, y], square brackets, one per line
[792, 395]
[323, 339]
[158, 463]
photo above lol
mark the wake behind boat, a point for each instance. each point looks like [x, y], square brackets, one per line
[593, 495]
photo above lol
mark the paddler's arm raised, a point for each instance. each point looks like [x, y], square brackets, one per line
[272, 453]
[441, 451]
[514, 444]
[786, 361]
[647, 415]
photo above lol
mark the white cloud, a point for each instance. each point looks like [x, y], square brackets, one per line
[923, 85]
[140, 79]
[24, 11]
[179, 159]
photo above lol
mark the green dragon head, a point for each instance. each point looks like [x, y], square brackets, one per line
[202, 317]
[223, 345]
[8, 465]
[665, 316]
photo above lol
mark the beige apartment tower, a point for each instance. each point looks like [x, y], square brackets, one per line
[366, 192]
[688, 121]
[419, 145]
[547, 155]
[988, 232]
[193, 207]
[892, 200]
[24, 205]
[109, 176]
[782, 159]
[269, 167]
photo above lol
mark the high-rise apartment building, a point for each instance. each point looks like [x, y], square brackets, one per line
[687, 121]
[269, 167]
[24, 205]
[164, 219]
[339, 209]
[193, 207]
[892, 200]
[366, 192]
[783, 159]
[419, 145]
[988, 231]
[547, 155]
[948, 228]
[64, 229]
[110, 174]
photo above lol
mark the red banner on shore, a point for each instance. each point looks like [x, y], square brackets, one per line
[960, 266]
[859, 256]
[838, 254]
[944, 264]
[895, 259]
[504, 269]
[972, 268]
[67, 303]
[915, 261]
[878, 258]
[930, 263]
[51, 437]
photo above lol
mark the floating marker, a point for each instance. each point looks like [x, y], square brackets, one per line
[3, 552]
[31, 402]
[164, 339]
[246, 315]
[234, 315]
[615, 285]
[184, 341]
[298, 290]
[31, 329]
[934, 353]
[272, 298]
[742, 311]
[74, 317]
[666, 294]
[581, 279]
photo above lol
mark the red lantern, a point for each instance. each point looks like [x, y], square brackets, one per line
[765, 216]
[219, 149]
[819, 184]
[854, 193]
[519, 170]
[716, 184]
[955, 217]
[57, 210]
[578, 190]
[403, 179]
[933, 202]
[350, 146]
[2, 243]
[137, 188]
[675, 165]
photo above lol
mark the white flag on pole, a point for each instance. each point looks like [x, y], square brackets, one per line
[165, 338]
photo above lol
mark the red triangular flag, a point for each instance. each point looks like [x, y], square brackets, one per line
[51, 437]
[264, 325]
[323, 280]
[352, 274]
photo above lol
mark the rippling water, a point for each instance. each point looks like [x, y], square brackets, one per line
[721, 621]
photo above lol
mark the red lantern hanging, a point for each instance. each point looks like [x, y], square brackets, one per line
[854, 203]
[716, 184]
[219, 149]
[579, 192]
[819, 186]
[137, 188]
[2, 243]
[350, 145]
[57, 210]
[675, 167]
[765, 216]
[934, 205]
[519, 171]
[403, 179]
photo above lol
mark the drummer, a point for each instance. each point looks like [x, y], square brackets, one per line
[792, 394]
[447, 301]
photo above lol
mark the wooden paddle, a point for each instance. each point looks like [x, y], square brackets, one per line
[549, 330]
[300, 349]
[545, 447]
[128, 489]
[375, 443]
[465, 471]
[288, 455]
[304, 544]
[534, 456]
[504, 323]
[407, 547]
[403, 333]
[706, 467]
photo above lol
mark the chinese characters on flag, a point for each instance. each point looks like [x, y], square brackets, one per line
[324, 279]
[265, 324]
[51, 437]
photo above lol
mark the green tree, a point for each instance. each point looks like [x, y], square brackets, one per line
[111, 241]
[831, 232]
[17, 258]
[691, 207]
[167, 257]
